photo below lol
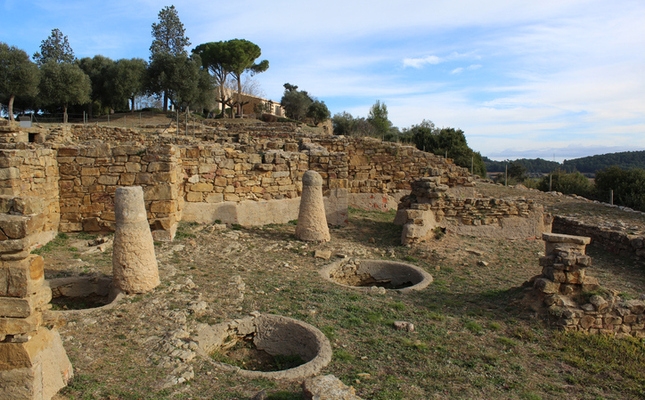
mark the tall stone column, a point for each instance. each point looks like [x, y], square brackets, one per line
[312, 222]
[134, 264]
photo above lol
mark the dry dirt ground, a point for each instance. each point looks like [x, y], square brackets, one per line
[470, 341]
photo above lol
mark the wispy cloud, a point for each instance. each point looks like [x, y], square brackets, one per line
[420, 62]
[471, 67]
[517, 77]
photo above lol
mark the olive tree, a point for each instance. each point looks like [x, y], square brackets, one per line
[18, 76]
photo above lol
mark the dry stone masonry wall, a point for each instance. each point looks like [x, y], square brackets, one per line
[250, 174]
[91, 173]
[431, 206]
[33, 362]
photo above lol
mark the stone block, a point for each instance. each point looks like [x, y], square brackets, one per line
[127, 179]
[15, 246]
[575, 277]
[21, 326]
[214, 198]
[590, 283]
[201, 187]
[19, 226]
[108, 179]
[36, 369]
[194, 197]
[23, 277]
[67, 152]
[636, 306]
[132, 167]
[160, 192]
[15, 307]
[165, 207]
[9, 173]
[160, 167]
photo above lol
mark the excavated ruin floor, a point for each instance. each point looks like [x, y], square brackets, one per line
[468, 340]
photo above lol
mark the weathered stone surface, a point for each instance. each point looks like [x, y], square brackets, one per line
[15, 307]
[19, 326]
[562, 238]
[133, 260]
[327, 387]
[312, 221]
[35, 369]
[22, 277]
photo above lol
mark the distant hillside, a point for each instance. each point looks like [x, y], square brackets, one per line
[535, 165]
[624, 160]
[586, 165]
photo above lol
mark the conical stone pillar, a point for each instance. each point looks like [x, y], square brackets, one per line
[312, 222]
[134, 264]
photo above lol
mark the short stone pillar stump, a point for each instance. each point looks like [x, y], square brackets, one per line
[312, 222]
[134, 263]
[574, 301]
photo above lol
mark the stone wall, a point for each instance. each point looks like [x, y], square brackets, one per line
[615, 241]
[430, 206]
[33, 362]
[248, 174]
[575, 301]
[90, 174]
[29, 207]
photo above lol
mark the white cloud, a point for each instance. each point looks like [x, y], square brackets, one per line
[420, 62]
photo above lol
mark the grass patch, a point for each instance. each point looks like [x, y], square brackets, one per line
[59, 242]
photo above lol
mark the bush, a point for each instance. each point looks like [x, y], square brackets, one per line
[567, 183]
[628, 186]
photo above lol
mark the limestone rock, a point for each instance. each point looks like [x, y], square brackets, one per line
[327, 387]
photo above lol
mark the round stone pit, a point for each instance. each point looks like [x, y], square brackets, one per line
[83, 293]
[265, 339]
[370, 274]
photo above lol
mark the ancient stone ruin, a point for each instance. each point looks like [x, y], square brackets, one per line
[312, 223]
[574, 301]
[377, 274]
[134, 264]
[431, 206]
[271, 334]
[33, 362]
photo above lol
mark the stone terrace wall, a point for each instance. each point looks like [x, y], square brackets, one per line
[617, 242]
[90, 174]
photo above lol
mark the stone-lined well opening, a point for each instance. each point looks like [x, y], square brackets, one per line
[265, 346]
[83, 293]
[377, 273]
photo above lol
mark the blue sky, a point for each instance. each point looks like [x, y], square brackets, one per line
[556, 79]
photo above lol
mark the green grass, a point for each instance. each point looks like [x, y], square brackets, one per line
[57, 243]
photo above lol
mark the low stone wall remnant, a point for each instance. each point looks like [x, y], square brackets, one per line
[431, 206]
[617, 240]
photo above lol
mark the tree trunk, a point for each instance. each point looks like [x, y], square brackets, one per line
[239, 97]
[10, 107]
[65, 114]
[132, 107]
[223, 99]
[165, 102]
